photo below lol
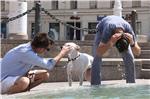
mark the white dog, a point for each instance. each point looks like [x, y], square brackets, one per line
[78, 63]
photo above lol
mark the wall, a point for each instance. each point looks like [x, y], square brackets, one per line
[112, 68]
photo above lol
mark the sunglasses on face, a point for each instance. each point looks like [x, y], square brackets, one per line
[48, 49]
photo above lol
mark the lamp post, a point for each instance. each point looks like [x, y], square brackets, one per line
[75, 18]
[117, 10]
[133, 20]
[64, 7]
[75, 15]
[37, 17]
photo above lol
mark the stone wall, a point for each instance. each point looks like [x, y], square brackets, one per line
[86, 47]
[112, 68]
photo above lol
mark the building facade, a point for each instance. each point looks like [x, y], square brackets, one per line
[78, 13]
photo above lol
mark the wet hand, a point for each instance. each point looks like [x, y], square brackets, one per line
[115, 37]
[130, 37]
[65, 50]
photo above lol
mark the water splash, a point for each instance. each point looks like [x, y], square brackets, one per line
[120, 69]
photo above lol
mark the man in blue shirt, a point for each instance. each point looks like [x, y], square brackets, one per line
[18, 62]
[109, 31]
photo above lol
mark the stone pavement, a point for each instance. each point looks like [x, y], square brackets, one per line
[47, 87]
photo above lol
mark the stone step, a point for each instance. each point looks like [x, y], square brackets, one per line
[140, 38]
[144, 54]
[112, 69]
[86, 47]
[143, 45]
[146, 64]
[145, 73]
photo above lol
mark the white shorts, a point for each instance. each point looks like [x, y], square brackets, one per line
[7, 83]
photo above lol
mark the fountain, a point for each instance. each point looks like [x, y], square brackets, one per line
[117, 89]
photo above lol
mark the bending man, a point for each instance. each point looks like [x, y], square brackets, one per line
[110, 30]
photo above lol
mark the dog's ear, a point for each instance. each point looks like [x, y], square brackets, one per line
[78, 47]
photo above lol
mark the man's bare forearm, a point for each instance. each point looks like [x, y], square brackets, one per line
[103, 48]
[58, 57]
[136, 49]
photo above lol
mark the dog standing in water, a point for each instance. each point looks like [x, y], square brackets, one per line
[79, 64]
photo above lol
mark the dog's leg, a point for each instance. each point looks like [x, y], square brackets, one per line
[69, 73]
[70, 79]
[81, 79]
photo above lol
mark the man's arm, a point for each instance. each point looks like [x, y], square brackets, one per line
[35, 60]
[136, 49]
[63, 52]
[134, 45]
[102, 48]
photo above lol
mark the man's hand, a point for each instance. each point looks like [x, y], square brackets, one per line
[104, 47]
[115, 38]
[136, 48]
[130, 37]
[65, 50]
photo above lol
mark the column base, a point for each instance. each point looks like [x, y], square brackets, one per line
[17, 36]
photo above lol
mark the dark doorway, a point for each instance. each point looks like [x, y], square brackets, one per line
[3, 30]
[70, 31]
[54, 30]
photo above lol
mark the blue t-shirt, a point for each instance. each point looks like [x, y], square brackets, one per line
[19, 60]
[108, 24]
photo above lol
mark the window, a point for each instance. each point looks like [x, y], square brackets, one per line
[92, 25]
[2, 5]
[93, 4]
[138, 27]
[112, 3]
[3, 30]
[71, 34]
[54, 31]
[55, 5]
[73, 4]
[136, 4]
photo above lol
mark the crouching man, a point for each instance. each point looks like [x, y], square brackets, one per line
[16, 65]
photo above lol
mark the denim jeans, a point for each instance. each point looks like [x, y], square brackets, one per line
[128, 59]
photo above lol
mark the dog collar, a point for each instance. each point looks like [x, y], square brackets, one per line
[73, 59]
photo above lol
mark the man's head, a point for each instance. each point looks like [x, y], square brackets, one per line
[41, 42]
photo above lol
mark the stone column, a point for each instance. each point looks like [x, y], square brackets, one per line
[18, 27]
[117, 8]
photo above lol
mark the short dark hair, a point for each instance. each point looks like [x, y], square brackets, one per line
[41, 40]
